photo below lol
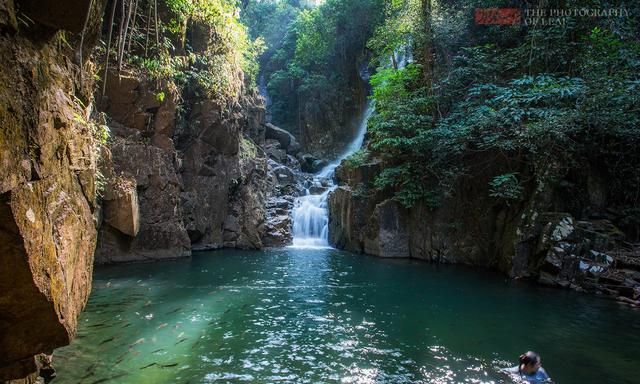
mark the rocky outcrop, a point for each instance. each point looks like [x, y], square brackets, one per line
[48, 157]
[278, 231]
[120, 205]
[201, 176]
[244, 225]
[590, 255]
[142, 153]
[220, 160]
[387, 236]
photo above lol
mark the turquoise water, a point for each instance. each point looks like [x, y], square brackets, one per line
[326, 316]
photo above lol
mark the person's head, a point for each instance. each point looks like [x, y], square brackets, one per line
[530, 362]
[636, 292]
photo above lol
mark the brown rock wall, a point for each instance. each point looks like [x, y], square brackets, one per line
[48, 159]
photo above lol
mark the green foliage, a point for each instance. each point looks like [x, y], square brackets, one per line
[216, 71]
[536, 102]
[506, 186]
[400, 28]
[357, 159]
[315, 37]
[360, 191]
[248, 149]
[310, 57]
[160, 96]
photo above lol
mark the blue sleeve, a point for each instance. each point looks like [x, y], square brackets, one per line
[543, 374]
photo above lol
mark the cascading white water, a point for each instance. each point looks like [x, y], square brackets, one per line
[310, 213]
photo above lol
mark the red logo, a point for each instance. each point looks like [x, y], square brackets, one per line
[498, 16]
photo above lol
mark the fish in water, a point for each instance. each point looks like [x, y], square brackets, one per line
[174, 311]
[139, 341]
[168, 365]
[180, 341]
[90, 371]
[99, 325]
[107, 340]
[147, 366]
[197, 342]
[158, 350]
[162, 325]
[180, 335]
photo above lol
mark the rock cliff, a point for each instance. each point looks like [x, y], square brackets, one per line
[200, 176]
[48, 154]
[555, 236]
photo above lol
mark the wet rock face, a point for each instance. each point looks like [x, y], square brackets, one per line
[286, 183]
[48, 159]
[210, 143]
[461, 230]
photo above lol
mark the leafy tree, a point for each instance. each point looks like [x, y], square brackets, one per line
[542, 100]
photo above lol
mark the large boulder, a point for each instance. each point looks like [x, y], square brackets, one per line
[284, 175]
[278, 231]
[120, 205]
[287, 141]
[244, 225]
[311, 164]
[274, 150]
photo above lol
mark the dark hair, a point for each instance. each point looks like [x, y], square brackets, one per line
[529, 358]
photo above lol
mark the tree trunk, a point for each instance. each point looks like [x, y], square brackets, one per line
[427, 45]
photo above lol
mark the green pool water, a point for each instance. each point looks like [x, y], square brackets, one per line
[326, 316]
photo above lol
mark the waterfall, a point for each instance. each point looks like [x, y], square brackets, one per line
[262, 89]
[311, 212]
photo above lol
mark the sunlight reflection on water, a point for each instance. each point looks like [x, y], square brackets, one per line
[324, 316]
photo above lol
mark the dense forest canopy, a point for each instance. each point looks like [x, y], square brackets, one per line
[541, 104]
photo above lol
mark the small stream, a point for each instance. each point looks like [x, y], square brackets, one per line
[327, 316]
